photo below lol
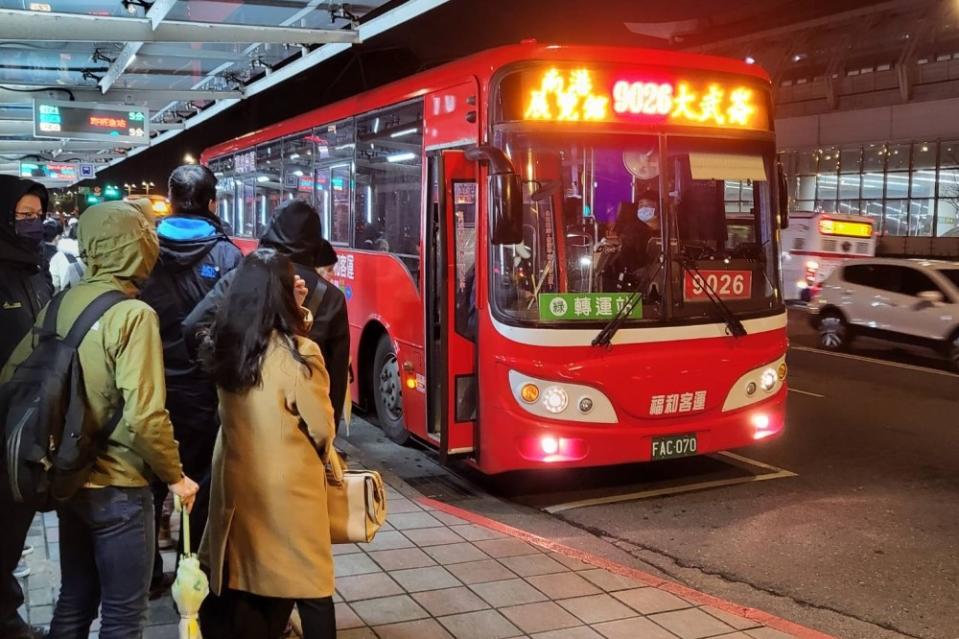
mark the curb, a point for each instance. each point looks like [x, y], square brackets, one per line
[687, 593]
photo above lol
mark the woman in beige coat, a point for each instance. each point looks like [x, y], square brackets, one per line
[267, 542]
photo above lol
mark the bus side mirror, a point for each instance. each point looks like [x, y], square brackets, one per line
[506, 194]
[783, 196]
[506, 210]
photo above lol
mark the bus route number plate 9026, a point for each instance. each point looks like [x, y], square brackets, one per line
[674, 446]
[727, 285]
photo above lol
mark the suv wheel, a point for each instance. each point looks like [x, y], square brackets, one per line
[953, 351]
[833, 331]
[388, 392]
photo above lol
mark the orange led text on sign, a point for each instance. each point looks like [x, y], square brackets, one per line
[567, 97]
[113, 123]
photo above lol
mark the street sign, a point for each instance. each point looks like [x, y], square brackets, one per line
[58, 171]
[87, 171]
[91, 121]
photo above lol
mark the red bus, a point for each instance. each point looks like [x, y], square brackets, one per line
[553, 256]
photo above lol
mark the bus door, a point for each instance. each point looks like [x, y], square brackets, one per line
[451, 303]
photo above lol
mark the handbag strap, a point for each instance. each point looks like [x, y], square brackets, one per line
[336, 467]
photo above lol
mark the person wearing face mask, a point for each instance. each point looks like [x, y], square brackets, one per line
[635, 225]
[106, 528]
[195, 253]
[24, 289]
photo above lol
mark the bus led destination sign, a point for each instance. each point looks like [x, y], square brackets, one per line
[91, 121]
[587, 95]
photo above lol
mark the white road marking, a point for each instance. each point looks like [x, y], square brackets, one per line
[871, 360]
[776, 473]
[802, 392]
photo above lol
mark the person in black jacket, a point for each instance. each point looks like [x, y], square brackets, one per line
[295, 231]
[24, 289]
[195, 253]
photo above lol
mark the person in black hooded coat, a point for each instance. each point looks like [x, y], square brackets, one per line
[25, 288]
[295, 231]
[195, 253]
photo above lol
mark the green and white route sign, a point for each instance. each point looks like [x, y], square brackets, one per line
[585, 306]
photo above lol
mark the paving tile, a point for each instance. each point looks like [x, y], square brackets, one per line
[401, 558]
[402, 505]
[768, 633]
[563, 585]
[358, 564]
[345, 549]
[388, 540]
[355, 633]
[610, 581]
[472, 532]
[474, 572]
[377, 584]
[449, 520]
[579, 632]
[152, 632]
[455, 553]
[737, 622]
[346, 618]
[41, 615]
[597, 608]
[633, 628]
[450, 601]
[569, 562]
[484, 624]
[508, 592]
[409, 521]
[540, 617]
[735, 635]
[421, 629]
[507, 547]
[650, 600]
[691, 624]
[433, 536]
[530, 565]
[428, 578]
[388, 610]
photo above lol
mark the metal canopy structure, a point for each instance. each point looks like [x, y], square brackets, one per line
[181, 60]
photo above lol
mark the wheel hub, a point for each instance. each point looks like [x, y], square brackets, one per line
[390, 387]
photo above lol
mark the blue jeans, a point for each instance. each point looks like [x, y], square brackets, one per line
[106, 558]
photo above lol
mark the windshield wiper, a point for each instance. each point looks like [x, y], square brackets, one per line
[606, 334]
[733, 326]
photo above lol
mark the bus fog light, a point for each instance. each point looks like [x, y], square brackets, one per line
[768, 379]
[750, 388]
[529, 393]
[555, 399]
[585, 405]
[549, 444]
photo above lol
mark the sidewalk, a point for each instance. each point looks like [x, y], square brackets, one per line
[435, 572]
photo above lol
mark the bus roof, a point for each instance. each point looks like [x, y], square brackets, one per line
[482, 65]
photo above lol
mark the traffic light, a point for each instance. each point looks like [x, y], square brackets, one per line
[92, 199]
[111, 192]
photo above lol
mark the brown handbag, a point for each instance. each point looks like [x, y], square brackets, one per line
[356, 501]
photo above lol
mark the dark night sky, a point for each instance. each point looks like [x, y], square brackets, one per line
[453, 30]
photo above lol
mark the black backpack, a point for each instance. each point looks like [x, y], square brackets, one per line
[47, 453]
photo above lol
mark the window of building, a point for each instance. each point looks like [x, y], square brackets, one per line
[389, 176]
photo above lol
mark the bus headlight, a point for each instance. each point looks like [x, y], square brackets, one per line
[768, 379]
[555, 399]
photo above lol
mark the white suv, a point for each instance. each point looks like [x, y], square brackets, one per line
[913, 301]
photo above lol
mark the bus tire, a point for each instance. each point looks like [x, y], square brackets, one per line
[834, 331]
[387, 392]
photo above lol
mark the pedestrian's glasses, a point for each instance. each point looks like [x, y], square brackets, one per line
[27, 215]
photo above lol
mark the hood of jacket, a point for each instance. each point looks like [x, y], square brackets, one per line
[186, 239]
[14, 248]
[118, 243]
[295, 232]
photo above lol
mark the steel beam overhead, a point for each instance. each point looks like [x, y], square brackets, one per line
[177, 51]
[17, 25]
[156, 13]
[119, 95]
[50, 146]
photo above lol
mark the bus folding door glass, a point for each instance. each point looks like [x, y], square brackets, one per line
[269, 182]
[340, 200]
[298, 180]
[225, 190]
[464, 224]
[389, 175]
[246, 207]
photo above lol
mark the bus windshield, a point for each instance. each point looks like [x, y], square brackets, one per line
[595, 221]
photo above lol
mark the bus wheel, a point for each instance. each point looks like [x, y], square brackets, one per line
[833, 331]
[388, 392]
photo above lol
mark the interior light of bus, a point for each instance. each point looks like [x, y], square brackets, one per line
[400, 157]
[404, 132]
[529, 393]
[849, 229]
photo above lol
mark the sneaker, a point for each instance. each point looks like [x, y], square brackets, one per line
[22, 570]
[27, 550]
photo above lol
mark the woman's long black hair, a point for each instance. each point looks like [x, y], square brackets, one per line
[260, 301]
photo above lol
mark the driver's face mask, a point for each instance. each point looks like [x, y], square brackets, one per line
[646, 213]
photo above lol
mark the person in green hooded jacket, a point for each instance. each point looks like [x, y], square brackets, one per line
[106, 529]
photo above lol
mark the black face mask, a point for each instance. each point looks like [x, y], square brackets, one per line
[31, 229]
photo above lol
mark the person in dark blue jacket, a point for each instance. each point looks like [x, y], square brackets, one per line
[195, 253]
